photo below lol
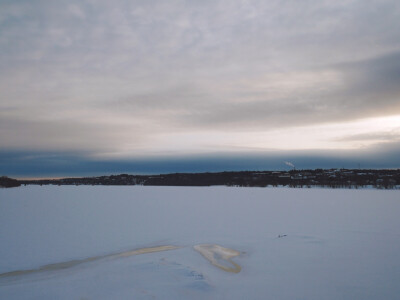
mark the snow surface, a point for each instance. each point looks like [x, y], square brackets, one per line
[293, 243]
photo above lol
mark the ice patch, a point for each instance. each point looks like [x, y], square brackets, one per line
[219, 257]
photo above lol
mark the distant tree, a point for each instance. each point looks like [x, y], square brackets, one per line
[8, 182]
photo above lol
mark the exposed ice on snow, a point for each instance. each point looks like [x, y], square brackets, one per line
[219, 257]
[73, 263]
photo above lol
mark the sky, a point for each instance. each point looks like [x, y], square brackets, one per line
[165, 86]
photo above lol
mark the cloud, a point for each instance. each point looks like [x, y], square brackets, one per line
[361, 89]
[384, 136]
[114, 77]
[66, 135]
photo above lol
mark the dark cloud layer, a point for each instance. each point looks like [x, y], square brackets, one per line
[61, 164]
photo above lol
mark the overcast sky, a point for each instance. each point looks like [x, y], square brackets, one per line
[149, 79]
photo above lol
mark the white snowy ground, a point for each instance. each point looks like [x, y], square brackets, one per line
[339, 244]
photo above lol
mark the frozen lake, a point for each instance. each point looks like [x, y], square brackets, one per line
[134, 242]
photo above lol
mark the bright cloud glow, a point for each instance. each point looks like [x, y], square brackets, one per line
[346, 135]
